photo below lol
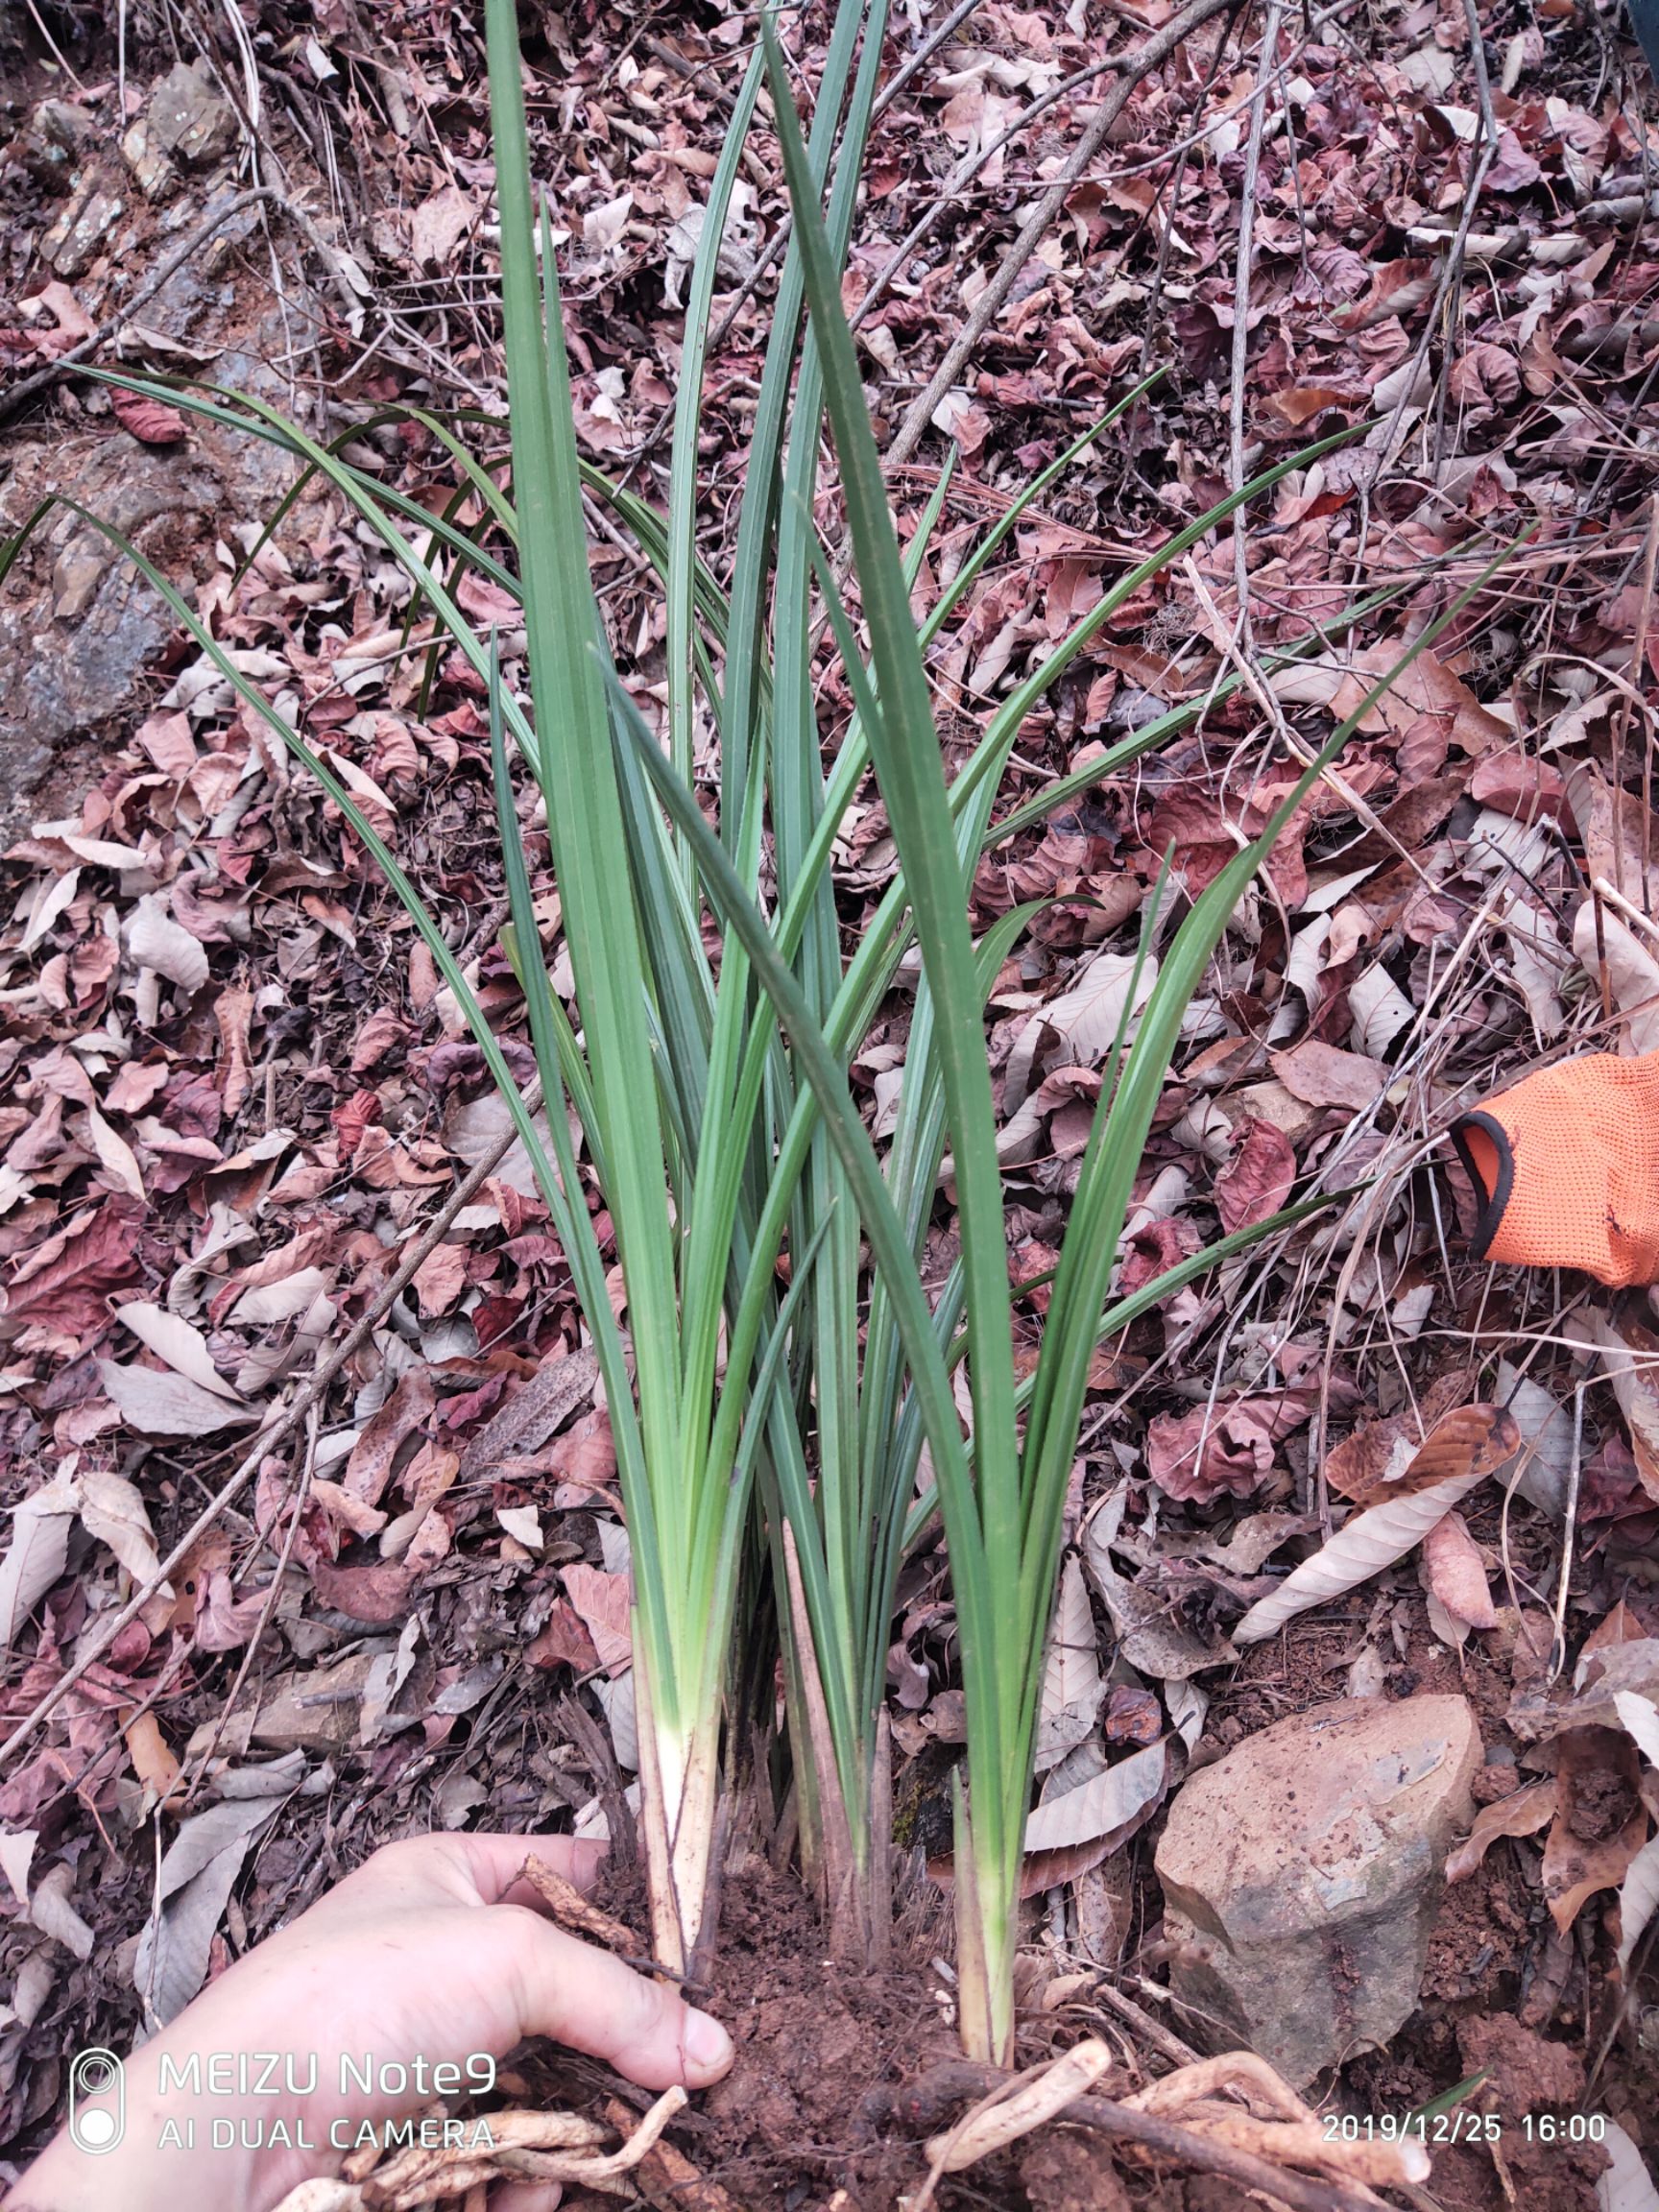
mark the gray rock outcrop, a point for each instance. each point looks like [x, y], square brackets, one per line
[1301, 1874]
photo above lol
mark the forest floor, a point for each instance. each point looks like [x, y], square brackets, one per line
[242, 1132]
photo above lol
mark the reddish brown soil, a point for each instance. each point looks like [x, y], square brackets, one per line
[817, 2043]
[808, 2119]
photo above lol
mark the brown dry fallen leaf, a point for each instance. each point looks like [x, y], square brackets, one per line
[1224, 1448]
[440, 1278]
[150, 420]
[152, 1762]
[1522, 1814]
[1257, 1180]
[603, 1601]
[1631, 1357]
[408, 1409]
[1454, 1571]
[1322, 1074]
[564, 1642]
[1600, 1822]
[1385, 1459]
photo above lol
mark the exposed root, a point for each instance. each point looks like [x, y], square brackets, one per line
[1014, 2109]
[1259, 2143]
[544, 2147]
[577, 1914]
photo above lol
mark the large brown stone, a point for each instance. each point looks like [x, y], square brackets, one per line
[1302, 1871]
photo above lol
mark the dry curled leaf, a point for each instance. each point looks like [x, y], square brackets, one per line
[152, 422]
[1520, 1814]
[1600, 1822]
[1363, 1547]
[1257, 1180]
[1627, 2186]
[1638, 1901]
[1456, 1574]
[1224, 1450]
[1639, 1717]
[1100, 1806]
[603, 1601]
[1386, 1460]
[38, 1552]
[1631, 1358]
[1073, 1687]
[176, 1340]
[1322, 1074]
[159, 1403]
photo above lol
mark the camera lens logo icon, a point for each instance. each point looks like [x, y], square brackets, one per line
[97, 2127]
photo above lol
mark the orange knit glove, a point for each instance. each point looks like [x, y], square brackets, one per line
[1566, 1164]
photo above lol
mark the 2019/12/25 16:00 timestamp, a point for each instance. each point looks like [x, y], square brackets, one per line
[1462, 2125]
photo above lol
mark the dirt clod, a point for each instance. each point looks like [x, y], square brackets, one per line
[1524, 2072]
[1065, 2172]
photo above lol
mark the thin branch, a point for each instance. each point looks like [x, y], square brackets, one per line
[1241, 316]
[989, 305]
[97, 1643]
[262, 196]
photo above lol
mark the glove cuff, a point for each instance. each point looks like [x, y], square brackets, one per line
[1483, 1144]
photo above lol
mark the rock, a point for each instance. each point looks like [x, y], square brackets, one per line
[152, 173]
[187, 117]
[1301, 1875]
[315, 1711]
[69, 246]
[72, 649]
[79, 629]
[53, 142]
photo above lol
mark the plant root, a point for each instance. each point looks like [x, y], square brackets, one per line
[525, 2147]
[666, 2175]
[1258, 2145]
[1013, 2109]
[570, 1911]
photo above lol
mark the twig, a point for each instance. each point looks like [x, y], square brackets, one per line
[1604, 891]
[1161, 2040]
[98, 1642]
[307, 1473]
[992, 300]
[1630, 694]
[780, 238]
[1241, 314]
[262, 196]
[1569, 1522]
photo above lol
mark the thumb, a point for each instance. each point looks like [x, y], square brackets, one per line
[582, 1996]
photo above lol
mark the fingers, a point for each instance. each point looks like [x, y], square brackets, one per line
[495, 1862]
[525, 2196]
[475, 1868]
[584, 1997]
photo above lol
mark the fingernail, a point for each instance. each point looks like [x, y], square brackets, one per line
[707, 2046]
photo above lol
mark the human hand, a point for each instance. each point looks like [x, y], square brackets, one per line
[430, 1954]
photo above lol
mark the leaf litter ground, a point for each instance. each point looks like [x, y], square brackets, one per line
[232, 1095]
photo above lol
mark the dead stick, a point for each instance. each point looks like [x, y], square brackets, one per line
[262, 196]
[991, 302]
[780, 238]
[1241, 314]
[948, 194]
[277, 1433]
[1105, 2117]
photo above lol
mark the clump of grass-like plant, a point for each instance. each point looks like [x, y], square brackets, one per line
[759, 1383]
